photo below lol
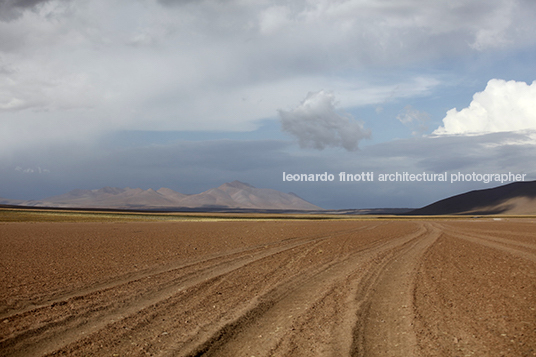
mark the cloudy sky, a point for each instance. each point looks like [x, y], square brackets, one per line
[191, 94]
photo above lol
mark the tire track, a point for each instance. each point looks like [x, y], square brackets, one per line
[91, 311]
[495, 236]
[286, 313]
[385, 326]
[475, 296]
[60, 297]
[502, 244]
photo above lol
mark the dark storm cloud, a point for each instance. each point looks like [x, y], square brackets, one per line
[225, 65]
[498, 151]
[12, 9]
[20, 3]
[221, 155]
[193, 167]
[189, 167]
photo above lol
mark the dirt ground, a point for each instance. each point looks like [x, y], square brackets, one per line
[376, 287]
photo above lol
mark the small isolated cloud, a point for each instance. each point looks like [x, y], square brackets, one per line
[414, 119]
[502, 106]
[316, 124]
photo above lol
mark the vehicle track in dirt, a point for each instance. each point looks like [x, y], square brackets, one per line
[295, 305]
[475, 292]
[347, 288]
[493, 239]
[63, 319]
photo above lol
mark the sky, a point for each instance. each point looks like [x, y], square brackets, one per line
[192, 94]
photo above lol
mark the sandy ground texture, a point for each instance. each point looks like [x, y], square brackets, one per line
[273, 288]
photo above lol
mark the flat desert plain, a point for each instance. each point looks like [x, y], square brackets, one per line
[363, 287]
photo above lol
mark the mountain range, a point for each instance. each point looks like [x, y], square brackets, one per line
[231, 195]
[518, 198]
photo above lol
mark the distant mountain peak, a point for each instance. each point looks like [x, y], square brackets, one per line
[110, 190]
[237, 184]
[230, 195]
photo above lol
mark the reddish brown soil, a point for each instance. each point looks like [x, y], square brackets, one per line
[275, 288]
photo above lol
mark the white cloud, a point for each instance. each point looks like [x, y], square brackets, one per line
[316, 124]
[502, 106]
[414, 119]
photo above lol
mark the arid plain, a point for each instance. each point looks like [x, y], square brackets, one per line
[99, 284]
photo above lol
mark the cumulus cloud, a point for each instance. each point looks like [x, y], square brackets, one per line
[78, 69]
[414, 119]
[316, 124]
[502, 106]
